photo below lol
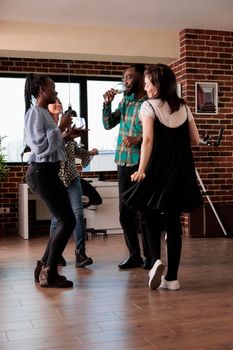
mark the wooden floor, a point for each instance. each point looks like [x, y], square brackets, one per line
[110, 309]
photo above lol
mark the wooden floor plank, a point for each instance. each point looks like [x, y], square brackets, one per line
[110, 309]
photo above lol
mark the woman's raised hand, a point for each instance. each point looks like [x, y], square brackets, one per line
[66, 121]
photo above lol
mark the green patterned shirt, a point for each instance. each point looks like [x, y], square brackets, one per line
[127, 115]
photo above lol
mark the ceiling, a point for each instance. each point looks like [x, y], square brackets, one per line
[169, 15]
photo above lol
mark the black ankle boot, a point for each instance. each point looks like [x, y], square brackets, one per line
[38, 269]
[81, 258]
[39, 266]
[49, 278]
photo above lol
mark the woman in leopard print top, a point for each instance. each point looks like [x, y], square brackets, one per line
[71, 178]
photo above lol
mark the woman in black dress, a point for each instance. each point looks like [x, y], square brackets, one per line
[166, 180]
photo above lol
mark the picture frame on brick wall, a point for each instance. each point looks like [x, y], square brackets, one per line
[206, 98]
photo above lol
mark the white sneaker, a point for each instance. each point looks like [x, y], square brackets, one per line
[155, 274]
[172, 285]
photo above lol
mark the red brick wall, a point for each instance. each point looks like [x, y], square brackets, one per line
[8, 198]
[49, 66]
[208, 56]
[205, 56]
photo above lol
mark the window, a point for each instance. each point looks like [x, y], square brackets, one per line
[69, 93]
[12, 116]
[86, 97]
[13, 108]
[104, 140]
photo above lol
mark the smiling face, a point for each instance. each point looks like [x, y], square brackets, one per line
[132, 80]
[56, 108]
[150, 89]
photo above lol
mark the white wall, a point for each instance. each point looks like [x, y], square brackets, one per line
[88, 43]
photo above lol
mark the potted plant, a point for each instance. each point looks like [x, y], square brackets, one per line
[3, 168]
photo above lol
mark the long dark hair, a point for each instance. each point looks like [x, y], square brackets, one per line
[164, 79]
[32, 87]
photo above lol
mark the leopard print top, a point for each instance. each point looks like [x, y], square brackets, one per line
[69, 170]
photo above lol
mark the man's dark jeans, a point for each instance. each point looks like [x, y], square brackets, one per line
[130, 220]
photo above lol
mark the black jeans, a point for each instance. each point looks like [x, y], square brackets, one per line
[130, 220]
[154, 223]
[43, 179]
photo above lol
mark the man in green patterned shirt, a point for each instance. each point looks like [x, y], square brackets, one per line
[128, 155]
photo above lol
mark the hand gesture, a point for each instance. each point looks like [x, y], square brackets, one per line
[128, 141]
[138, 176]
[66, 121]
[94, 152]
[77, 132]
[109, 96]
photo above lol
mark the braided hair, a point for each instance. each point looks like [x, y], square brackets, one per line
[32, 87]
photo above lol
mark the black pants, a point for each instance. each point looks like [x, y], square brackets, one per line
[154, 223]
[130, 221]
[43, 179]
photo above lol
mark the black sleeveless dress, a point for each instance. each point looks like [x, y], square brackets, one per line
[170, 183]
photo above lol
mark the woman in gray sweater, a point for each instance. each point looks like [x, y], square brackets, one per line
[44, 138]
